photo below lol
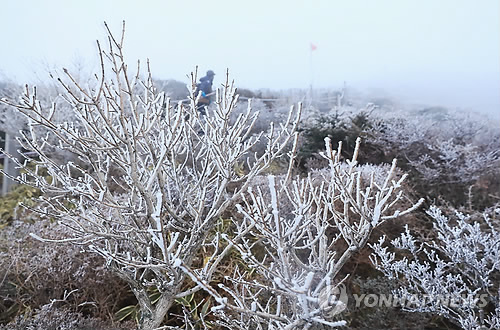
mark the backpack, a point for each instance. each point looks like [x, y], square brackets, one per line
[204, 86]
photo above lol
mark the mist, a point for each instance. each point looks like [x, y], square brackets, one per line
[432, 52]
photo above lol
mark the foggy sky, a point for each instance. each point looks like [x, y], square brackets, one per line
[444, 52]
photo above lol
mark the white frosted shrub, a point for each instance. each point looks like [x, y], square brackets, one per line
[455, 274]
[303, 257]
[450, 147]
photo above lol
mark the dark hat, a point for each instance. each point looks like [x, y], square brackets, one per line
[210, 73]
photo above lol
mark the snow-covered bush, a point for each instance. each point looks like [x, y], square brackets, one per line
[456, 274]
[152, 181]
[299, 252]
[452, 156]
[448, 147]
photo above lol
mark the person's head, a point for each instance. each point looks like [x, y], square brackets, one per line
[210, 74]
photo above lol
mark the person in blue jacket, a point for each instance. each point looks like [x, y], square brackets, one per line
[205, 88]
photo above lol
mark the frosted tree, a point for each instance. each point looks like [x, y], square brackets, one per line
[148, 181]
[454, 275]
[10, 120]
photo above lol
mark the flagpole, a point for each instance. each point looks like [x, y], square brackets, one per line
[311, 49]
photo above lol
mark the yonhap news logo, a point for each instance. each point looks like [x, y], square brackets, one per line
[333, 300]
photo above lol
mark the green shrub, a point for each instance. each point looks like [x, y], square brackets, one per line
[9, 203]
[337, 128]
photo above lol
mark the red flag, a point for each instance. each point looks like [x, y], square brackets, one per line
[313, 46]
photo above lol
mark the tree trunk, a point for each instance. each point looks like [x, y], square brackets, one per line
[152, 319]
